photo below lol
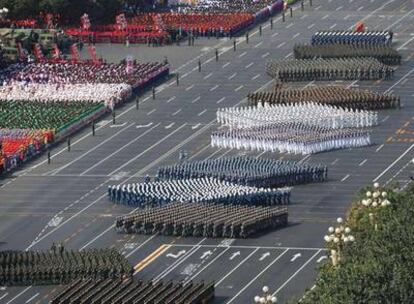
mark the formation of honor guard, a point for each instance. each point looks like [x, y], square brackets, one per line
[128, 291]
[250, 171]
[59, 266]
[383, 53]
[203, 220]
[329, 69]
[306, 113]
[349, 98]
[295, 138]
[196, 190]
[351, 37]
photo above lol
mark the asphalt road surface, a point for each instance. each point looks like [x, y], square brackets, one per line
[66, 200]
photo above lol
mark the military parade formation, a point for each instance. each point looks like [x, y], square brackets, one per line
[344, 97]
[128, 291]
[203, 220]
[353, 37]
[60, 266]
[250, 171]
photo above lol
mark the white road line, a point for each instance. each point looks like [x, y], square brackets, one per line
[257, 276]
[208, 76]
[210, 156]
[324, 17]
[275, 34]
[32, 298]
[190, 87]
[232, 76]
[259, 44]
[403, 45]
[311, 26]
[199, 152]
[401, 79]
[249, 65]
[345, 178]
[288, 55]
[213, 88]
[346, 17]
[385, 118]
[363, 162]
[255, 77]
[392, 165]
[339, 8]
[304, 16]
[360, 8]
[290, 25]
[211, 262]
[242, 54]
[237, 266]
[176, 112]
[238, 88]
[179, 261]
[379, 148]
[118, 150]
[332, 26]
[4, 295]
[171, 99]
[265, 55]
[138, 247]
[226, 64]
[282, 44]
[150, 112]
[19, 294]
[299, 270]
[318, 7]
[296, 35]
[202, 112]
[221, 100]
[197, 99]
[89, 151]
[146, 150]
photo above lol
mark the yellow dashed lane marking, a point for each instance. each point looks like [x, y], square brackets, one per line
[149, 259]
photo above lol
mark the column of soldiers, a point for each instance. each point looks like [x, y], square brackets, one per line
[203, 220]
[59, 266]
[351, 37]
[328, 69]
[383, 53]
[250, 171]
[350, 98]
[293, 138]
[196, 190]
[116, 291]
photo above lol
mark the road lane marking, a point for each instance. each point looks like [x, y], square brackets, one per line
[379, 148]
[282, 44]
[176, 112]
[238, 88]
[345, 177]
[249, 65]
[202, 112]
[339, 8]
[259, 44]
[255, 77]
[221, 100]
[257, 276]
[360, 8]
[293, 275]
[150, 258]
[32, 298]
[311, 26]
[4, 295]
[19, 294]
[363, 162]
[332, 26]
[171, 99]
[208, 76]
[197, 99]
[213, 88]
[226, 64]
[324, 17]
[242, 54]
[290, 25]
[275, 34]
[232, 76]
[190, 87]
[152, 111]
[296, 35]
[211, 262]
[265, 55]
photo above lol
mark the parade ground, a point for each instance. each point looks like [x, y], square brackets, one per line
[66, 201]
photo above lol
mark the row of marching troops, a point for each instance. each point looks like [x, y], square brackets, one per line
[326, 69]
[59, 266]
[196, 190]
[128, 291]
[203, 220]
[350, 98]
[339, 55]
[246, 170]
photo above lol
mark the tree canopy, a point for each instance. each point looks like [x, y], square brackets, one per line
[379, 266]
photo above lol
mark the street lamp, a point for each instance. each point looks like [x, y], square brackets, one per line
[266, 298]
[337, 238]
[373, 200]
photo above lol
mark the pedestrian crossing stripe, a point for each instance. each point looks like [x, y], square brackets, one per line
[149, 259]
